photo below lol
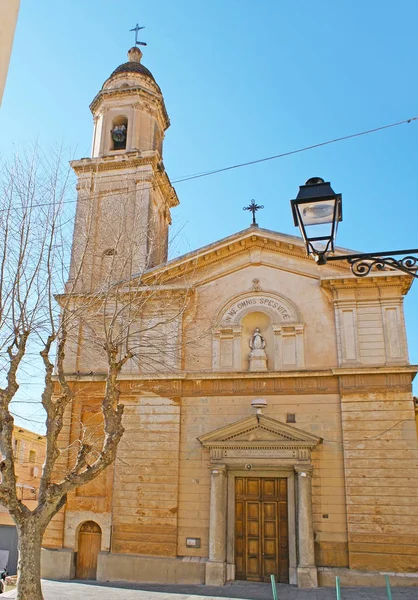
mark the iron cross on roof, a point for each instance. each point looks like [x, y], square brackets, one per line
[254, 207]
[136, 29]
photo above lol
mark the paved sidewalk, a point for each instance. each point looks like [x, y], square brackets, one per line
[66, 590]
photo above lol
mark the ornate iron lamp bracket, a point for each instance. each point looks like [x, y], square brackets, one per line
[362, 264]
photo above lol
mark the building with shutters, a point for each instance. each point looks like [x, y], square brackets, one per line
[269, 417]
[29, 454]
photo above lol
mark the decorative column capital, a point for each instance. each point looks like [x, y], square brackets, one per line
[304, 470]
[218, 469]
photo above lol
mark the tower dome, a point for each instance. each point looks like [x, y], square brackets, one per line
[129, 73]
[129, 110]
[133, 65]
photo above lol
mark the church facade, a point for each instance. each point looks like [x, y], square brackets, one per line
[269, 418]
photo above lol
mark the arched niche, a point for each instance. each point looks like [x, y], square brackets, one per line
[119, 133]
[280, 324]
[249, 322]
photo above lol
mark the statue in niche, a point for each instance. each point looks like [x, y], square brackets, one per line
[257, 342]
[257, 356]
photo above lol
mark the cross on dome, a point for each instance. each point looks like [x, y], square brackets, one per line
[136, 29]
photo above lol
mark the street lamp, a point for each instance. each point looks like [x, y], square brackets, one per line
[317, 210]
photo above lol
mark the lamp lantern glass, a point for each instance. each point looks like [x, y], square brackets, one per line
[317, 210]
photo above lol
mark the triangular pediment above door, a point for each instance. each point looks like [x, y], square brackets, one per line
[259, 431]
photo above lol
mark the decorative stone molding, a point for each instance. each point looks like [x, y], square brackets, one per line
[75, 519]
[126, 95]
[248, 384]
[287, 351]
[277, 307]
[379, 382]
[340, 285]
[369, 309]
[246, 242]
[262, 439]
[269, 447]
[304, 470]
[328, 381]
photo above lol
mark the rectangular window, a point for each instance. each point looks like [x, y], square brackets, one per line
[22, 452]
[16, 448]
[32, 456]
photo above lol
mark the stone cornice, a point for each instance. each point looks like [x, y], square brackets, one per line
[25, 434]
[162, 181]
[254, 240]
[385, 370]
[118, 160]
[334, 284]
[131, 160]
[251, 240]
[384, 381]
[145, 293]
[318, 382]
[131, 93]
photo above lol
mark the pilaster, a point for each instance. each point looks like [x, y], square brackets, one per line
[307, 571]
[216, 566]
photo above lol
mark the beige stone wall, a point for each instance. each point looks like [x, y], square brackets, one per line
[161, 481]
[95, 498]
[145, 493]
[54, 534]
[381, 460]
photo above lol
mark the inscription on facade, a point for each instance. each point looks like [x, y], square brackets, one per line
[260, 453]
[257, 301]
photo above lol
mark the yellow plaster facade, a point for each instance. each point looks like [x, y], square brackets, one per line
[208, 485]
[29, 453]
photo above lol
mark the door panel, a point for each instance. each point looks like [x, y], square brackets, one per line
[269, 487]
[253, 486]
[261, 529]
[253, 539]
[89, 542]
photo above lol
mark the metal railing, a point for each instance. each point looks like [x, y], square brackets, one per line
[337, 588]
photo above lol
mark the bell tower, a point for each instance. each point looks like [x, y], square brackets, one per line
[124, 194]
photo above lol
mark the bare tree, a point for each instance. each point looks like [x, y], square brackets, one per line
[125, 322]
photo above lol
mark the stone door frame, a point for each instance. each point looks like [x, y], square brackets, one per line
[261, 446]
[284, 472]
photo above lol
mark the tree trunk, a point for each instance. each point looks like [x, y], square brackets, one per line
[30, 535]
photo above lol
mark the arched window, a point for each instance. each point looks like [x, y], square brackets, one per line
[119, 133]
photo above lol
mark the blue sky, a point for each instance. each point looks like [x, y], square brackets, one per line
[241, 81]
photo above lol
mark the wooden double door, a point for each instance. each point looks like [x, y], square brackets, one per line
[261, 529]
